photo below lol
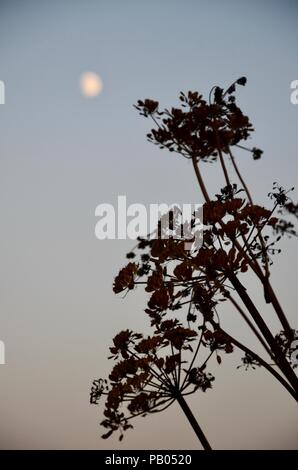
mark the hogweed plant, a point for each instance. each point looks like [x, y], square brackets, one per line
[240, 236]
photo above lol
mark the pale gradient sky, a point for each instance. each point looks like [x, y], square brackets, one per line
[62, 154]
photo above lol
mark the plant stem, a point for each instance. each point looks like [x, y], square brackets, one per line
[277, 307]
[277, 352]
[265, 279]
[193, 422]
[250, 324]
[200, 179]
[263, 363]
[256, 268]
[240, 177]
[222, 162]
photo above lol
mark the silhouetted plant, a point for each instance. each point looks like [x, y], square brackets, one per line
[150, 375]
[239, 236]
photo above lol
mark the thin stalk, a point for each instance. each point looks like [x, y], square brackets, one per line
[222, 162]
[240, 177]
[200, 179]
[277, 352]
[264, 364]
[265, 279]
[174, 372]
[221, 158]
[277, 307]
[267, 289]
[193, 422]
[207, 199]
[250, 324]
[194, 357]
[256, 268]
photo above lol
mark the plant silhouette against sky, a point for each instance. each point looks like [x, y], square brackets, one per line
[188, 284]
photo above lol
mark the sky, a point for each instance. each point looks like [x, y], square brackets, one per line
[62, 154]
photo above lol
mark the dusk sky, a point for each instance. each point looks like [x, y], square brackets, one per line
[62, 153]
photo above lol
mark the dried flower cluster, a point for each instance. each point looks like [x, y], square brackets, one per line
[239, 236]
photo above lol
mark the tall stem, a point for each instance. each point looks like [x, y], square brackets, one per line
[256, 268]
[222, 162]
[265, 279]
[193, 422]
[280, 313]
[221, 158]
[264, 364]
[250, 324]
[240, 177]
[278, 353]
[200, 179]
